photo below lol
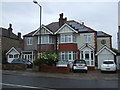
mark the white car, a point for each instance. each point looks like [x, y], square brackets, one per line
[108, 65]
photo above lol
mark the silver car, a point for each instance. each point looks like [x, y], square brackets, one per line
[62, 64]
[80, 65]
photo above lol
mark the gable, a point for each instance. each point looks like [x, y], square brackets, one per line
[66, 29]
[12, 51]
[86, 47]
[44, 30]
[105, 50]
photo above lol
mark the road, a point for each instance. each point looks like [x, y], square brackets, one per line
[44, 83]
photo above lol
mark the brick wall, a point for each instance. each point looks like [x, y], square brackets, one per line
[68, 47]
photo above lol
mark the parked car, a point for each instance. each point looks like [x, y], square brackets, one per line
[108, 65]
[79, 65]
[62, 63]
[22, 61]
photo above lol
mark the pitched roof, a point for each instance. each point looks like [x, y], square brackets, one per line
[54, 26]
[73, 24]
[17, 50]
[81, 28]
[6, 34]
[102, 34]
[30, 34]
[105, 47]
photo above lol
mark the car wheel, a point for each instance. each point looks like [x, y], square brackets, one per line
[115, 71]
[74, 71]
[85, 71]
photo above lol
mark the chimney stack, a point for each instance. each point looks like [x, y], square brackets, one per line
[10, 30]
[82, 23]
[19, 35]
[62, 20]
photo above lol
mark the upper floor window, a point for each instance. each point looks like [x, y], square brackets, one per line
[65, 38]
[87, 38]
[29, 41]
[46, 39]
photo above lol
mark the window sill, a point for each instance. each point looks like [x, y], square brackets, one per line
[68, 42]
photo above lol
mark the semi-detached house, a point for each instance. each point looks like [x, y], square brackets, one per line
[70, 40]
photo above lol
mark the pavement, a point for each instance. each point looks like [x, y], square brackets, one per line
[91, 75]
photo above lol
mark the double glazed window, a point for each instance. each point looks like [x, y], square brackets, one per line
[29, 41]
[65, 38]
[87, 38]
[14, 56]
[46, 39]
[68, 55]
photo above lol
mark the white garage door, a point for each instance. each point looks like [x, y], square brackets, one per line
[102, 57]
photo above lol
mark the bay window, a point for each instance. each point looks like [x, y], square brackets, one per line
[68, 55]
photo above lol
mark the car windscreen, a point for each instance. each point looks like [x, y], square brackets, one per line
[108, 62]
[80, 61]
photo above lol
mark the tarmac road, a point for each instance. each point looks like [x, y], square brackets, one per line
[29, 80]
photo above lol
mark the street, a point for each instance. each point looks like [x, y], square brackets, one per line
[28, 81]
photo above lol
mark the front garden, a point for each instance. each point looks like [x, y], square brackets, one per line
[46, 62]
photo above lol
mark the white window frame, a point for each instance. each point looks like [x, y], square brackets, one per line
[87, 38]
[30, 41]
[90, 60]
[64, 55]
[48, 39]
[68, 38]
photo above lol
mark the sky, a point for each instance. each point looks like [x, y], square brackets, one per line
[24, 16]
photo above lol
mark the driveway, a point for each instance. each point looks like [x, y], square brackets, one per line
[91, 75]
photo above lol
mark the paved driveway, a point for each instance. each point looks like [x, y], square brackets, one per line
[91, 75]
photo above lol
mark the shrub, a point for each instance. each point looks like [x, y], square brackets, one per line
[48, 58]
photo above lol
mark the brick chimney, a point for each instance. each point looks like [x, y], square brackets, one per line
[10, 30]
[19, 35]
[62, 20]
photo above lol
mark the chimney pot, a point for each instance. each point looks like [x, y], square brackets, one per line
[61, 16]
[82, 23]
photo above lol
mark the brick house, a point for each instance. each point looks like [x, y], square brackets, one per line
[8, 40]
[70, 40]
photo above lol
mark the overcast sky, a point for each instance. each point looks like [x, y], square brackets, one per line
[24, 16]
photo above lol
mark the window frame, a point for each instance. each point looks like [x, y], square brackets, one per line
[87, 38]
[68, 55]
[89, 61]
[68, 38]
[29, 40]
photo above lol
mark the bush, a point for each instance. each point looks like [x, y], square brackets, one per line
[47, 58]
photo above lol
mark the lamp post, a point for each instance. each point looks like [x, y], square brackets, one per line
[40, 25]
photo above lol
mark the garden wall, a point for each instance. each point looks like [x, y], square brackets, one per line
[54, 69]
[14, 67]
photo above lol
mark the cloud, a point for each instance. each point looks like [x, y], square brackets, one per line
[25, 15]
